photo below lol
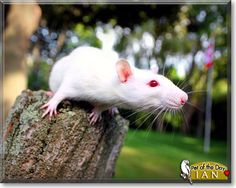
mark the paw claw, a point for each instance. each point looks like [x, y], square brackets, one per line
[44, 106]
[91, 115]
[50, 113]
[95, 116]
[51, 109]
[55, 112]
[44, 114]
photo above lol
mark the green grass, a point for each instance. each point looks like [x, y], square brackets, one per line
[157, 156]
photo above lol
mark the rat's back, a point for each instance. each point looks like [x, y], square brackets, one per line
[93, 57]
[83, 64]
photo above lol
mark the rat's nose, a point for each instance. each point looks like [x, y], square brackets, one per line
[183, 99]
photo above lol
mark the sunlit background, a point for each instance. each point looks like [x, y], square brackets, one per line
[173, 38]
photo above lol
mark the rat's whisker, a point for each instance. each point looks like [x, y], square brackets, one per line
[160, 124]
[199, 91]
[146, 117]
[163, 118]
[185, 86]
[185, 121]
[194, 106]
[172, 111]
[157, 115]
[149, 115]
[183, 83]
[151, 124]
[177, 84]
[140, 110]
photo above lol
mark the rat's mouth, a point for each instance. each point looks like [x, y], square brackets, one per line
[174, 104]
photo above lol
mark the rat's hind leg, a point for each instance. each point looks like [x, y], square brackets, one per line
[95, 116]
[113, 111]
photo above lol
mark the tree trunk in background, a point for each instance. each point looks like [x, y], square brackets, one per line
[22, 20]
[66, 148]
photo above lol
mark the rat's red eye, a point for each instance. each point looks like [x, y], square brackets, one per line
[153, 83]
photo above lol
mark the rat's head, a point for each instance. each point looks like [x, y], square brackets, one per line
[144, 88]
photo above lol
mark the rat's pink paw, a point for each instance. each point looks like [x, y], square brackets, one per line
[113, 111]
[51, 109]
[95, 116]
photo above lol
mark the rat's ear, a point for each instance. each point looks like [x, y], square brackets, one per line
[123, 70]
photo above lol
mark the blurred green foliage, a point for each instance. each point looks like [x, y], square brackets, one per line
[86, 36]
[155, 156]
[38, 75]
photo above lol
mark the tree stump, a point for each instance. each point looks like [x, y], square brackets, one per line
[63, 149]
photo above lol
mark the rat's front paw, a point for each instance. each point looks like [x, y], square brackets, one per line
[95, 116]
[51, 109]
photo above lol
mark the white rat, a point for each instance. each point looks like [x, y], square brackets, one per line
[92, 75]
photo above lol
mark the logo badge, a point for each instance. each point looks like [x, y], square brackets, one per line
[203, 171]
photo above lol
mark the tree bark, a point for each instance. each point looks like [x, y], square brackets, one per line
[63, 149]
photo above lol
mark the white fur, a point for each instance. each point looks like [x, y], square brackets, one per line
[89, 74]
